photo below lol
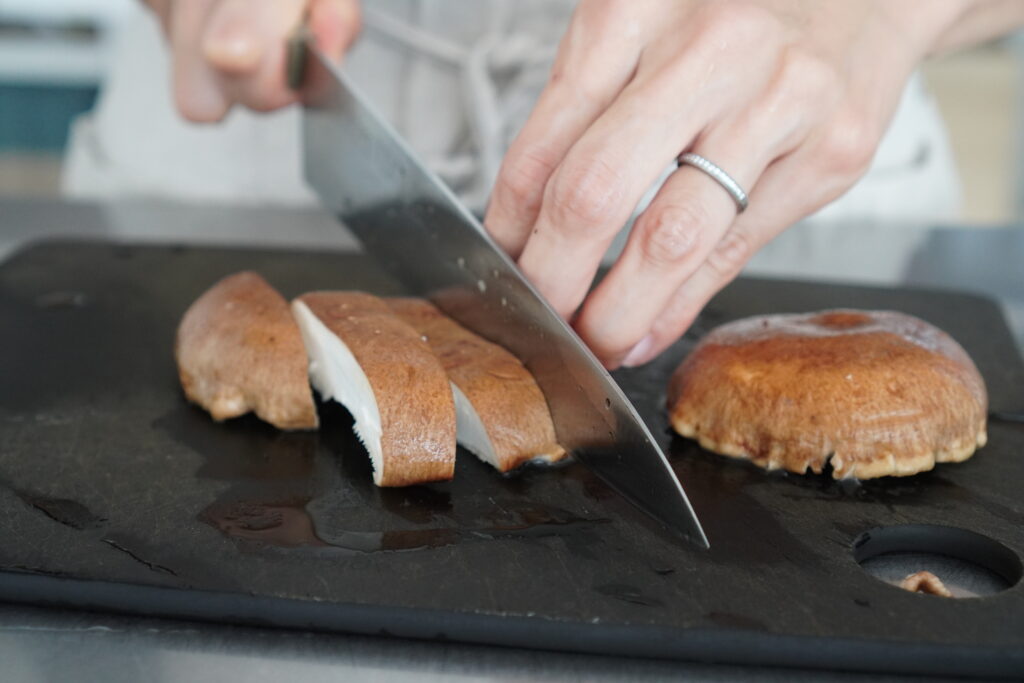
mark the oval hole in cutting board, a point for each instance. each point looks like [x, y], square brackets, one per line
[969, 564]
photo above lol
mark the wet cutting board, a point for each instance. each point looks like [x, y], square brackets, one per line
[116, 494]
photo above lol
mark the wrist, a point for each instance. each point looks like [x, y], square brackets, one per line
[923, 24]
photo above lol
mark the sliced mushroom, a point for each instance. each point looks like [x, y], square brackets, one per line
[238, 350]
[503, 417]
[364, 357]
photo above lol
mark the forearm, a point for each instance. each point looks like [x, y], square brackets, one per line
[981, 21]
[929, 27]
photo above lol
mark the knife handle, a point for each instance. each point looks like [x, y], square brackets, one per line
[297, 53]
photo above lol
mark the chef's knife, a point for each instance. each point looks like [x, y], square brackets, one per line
[411, 223]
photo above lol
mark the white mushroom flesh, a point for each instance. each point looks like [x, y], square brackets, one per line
[472, 435]
[336, 375]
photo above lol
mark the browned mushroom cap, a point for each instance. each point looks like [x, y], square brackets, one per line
[379, 368]
[238, 349]
[503, 417]
[878, 393]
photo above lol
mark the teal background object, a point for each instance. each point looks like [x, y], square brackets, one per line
[37, 117]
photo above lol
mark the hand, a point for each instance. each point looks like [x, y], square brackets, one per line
[789, 97]
[227, 52]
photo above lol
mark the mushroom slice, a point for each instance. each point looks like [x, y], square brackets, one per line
[364, 357]
[503, 417]
[238, 350]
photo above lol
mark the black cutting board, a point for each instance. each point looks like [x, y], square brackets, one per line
[116, 494]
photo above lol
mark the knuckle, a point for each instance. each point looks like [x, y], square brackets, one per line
[804, 92]
[603, 17]
[590, 67]
[730, 255]
[586, 77]
[592, 89]
[739, 23]
[806, 74]
[523, 177]
[586, 195]
[670, 234]
[848, 146]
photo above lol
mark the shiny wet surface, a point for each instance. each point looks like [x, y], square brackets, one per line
[109, 474]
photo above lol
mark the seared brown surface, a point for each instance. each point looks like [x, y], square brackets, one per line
[881, 393]
[504, 394]
[238, 349]
[417, 411]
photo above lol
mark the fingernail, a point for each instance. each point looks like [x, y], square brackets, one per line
[638, 355]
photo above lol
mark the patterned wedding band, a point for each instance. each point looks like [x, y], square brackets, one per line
[720, 177]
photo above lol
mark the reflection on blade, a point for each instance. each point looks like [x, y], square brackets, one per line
[416, 229]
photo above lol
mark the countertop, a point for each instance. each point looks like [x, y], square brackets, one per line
[44, 644]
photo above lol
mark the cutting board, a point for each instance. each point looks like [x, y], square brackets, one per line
[116, 494]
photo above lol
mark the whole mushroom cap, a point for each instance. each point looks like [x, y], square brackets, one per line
[871, 393]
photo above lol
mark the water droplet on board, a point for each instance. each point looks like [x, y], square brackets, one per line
[289, 524]
[284, 524]
[481, 285]
[461, 262]
[62, 299]
[70, 513]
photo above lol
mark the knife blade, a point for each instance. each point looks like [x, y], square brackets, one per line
[411, 223]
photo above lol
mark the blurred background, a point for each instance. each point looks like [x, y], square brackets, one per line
[53, 54]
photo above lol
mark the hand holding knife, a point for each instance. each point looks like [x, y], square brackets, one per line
[417, 230]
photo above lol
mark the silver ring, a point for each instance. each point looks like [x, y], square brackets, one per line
[720, 176]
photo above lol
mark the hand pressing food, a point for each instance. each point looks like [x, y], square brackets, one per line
[503, 417]
[873, 393]
[364, 357]
[238, 349]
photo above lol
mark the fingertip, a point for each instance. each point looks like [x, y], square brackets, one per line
[562, 273]
[554, 292]
[592, 328]
[335, 25]
[644, 351]
[232, 42]
[199, 100]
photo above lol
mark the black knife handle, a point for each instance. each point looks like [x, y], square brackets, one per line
[297, 53]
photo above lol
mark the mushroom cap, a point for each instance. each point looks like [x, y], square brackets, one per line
[413, 396]
[874, 393]
[238, 350]
[506, 400]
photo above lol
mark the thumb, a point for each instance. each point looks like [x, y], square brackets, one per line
[240, 33]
